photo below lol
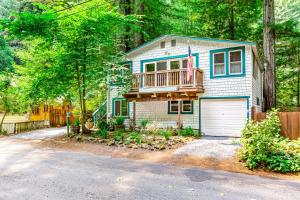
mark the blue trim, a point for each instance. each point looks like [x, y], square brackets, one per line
[226, 52]
[113, 106]
[121, 83]
[184, 113]
[224, 97]
[191, 38]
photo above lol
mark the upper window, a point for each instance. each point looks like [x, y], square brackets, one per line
[235, 64]
[161, 66]
[150, 67]
[184, 63]
[163, 44]
[175, 64]
[219, 64]
[229, 62]
[120, 107]
[173, 43]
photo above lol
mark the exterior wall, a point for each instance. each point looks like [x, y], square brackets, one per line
[216, 87]
[257, 88]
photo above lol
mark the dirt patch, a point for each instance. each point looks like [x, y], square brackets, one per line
[167, 156]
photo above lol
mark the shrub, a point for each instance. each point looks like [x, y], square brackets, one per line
[263, 146]
[144, 123]
[134, 137]
[77, 122]
[112, 122]
[118, 135]
[102, 133]
[152, 128]
[167, 133]
[187, 132]
[120, 120]
[102, 125]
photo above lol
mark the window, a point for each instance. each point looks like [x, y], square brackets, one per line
[255, 68]
[186, 107]
[219, 64]
[173, 107]
[150, 67]
[163, 44]
[161, 66]
[120, 107]
[257, 101]
[175, 64]
[184, 63]
[235, 64]
[173, 43]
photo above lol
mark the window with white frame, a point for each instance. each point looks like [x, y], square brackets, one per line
[174, 64]
[186, 107]
[173, 107]
[120, 107]
[219, 64]
[160, 66]
[173, 43]
[150, 67]
[163, 44]
[184, 63]
[235, 62]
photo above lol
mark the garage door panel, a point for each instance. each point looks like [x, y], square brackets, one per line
[223, 117]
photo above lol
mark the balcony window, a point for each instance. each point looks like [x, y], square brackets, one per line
[184, 63]
[150, 67]
[175, 64]
[161, 66]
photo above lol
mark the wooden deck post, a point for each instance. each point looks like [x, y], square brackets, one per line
[179, 115]
[134, 115]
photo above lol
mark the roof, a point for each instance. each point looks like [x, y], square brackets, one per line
[190, 38]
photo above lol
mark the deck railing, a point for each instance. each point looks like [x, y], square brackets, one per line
[167, 78]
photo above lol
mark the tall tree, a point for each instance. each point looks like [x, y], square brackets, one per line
[269, 54]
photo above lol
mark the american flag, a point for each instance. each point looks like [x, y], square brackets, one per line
[190, 65]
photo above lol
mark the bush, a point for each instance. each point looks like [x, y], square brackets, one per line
[77, 122]
[152, 128]
[102, 125]
[144, 123]
[134, 137]
[120, 120]
[167, 133]
[264, 147]
[187, 132]
[118, 135]
[102, 134]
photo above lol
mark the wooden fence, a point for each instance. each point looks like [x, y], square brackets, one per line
[290, 123]
[18, 127]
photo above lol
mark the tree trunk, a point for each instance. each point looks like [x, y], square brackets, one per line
[231, 22]
[2, 120]
[298, 79]
[127, 11]
[139, 8]
[269, 55]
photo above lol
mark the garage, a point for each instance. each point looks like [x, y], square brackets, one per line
[223, 116]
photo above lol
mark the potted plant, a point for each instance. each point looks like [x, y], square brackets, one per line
[119, 122]
[75, 127]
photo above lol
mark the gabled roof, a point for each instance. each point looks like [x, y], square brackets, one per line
[189, 38]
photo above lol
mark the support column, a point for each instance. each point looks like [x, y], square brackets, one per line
[179, 115]
[134, 115]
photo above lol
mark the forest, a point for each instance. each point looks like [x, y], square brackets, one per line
[67, 50]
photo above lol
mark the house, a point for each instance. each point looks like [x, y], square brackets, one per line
[226, 83]
[53, 115]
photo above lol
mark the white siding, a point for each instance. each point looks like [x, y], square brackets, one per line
[217, 87]
[257, 88]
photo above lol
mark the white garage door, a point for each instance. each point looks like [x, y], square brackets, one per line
[223, 117]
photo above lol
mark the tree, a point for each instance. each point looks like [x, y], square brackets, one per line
[269, 54]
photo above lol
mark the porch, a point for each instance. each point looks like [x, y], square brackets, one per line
[165, 85]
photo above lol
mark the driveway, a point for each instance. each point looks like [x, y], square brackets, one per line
[28, 172]
[41, 134]
[212, 147]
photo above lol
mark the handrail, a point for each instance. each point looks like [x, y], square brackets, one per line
[100, 113]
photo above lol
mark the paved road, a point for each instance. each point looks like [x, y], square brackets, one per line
[31, 173]
[41, 134]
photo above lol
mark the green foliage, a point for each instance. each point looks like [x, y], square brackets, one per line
[102, 125]
[119, 135]
[6, 56]
[263, 146]
[144, 123]
[134, 137]
[102, 134]
[188, 132]
[120, 120]
[167, 133]
[77, 122]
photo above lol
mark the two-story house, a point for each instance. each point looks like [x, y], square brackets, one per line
[226, 82]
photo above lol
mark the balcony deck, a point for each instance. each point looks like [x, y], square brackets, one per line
[166, 85]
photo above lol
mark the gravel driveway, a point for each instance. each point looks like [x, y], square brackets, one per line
[214, 147]
[41, 134]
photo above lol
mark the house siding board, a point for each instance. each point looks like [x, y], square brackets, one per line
[257, 89]
[218, 87]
